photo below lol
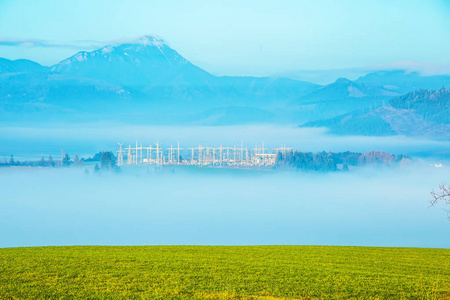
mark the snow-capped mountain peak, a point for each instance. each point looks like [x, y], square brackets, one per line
[145, 61]
[150, 41]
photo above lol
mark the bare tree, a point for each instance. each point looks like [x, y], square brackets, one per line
[441, 196]
[77, 161]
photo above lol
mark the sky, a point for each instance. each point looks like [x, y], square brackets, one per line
[232, 37]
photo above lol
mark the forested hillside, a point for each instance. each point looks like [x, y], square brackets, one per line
[419, 113]
[431, 105]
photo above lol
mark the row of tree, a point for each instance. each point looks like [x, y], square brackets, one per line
[49, 162]
[106, 159]
[329, 161]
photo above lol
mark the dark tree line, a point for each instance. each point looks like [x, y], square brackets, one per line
[329, 161]
[49, 162]
[106, 159]
[308, 161]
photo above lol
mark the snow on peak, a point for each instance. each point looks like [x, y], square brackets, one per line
[150, 41]
[107, 49]
[81, 56]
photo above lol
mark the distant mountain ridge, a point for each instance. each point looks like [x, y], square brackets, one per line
[344, 88]
[20, 65]
[402, 82]
[146, 81]
[343, 96]
[143, 77]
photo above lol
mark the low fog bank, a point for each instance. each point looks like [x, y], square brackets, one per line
[87, 139]
[150, 206]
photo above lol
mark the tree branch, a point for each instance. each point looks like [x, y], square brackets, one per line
[441, 196]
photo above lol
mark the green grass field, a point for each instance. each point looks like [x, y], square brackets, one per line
[209, 272]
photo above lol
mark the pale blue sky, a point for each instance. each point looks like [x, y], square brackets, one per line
[231, 37]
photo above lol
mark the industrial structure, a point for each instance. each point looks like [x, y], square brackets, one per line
[238, 156]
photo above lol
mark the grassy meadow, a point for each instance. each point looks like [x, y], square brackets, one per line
[216, 272]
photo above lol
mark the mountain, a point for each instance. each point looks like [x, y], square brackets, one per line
[141, 65]
[146, 81]
[367, 93]
[59, 89]
[418, 113]
[430, 105]
[342, 96]
[145, 77]
[401, 82]
[20, 65]
[150, 66]
[343, 88]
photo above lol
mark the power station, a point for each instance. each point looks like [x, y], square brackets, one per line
[201, 156]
